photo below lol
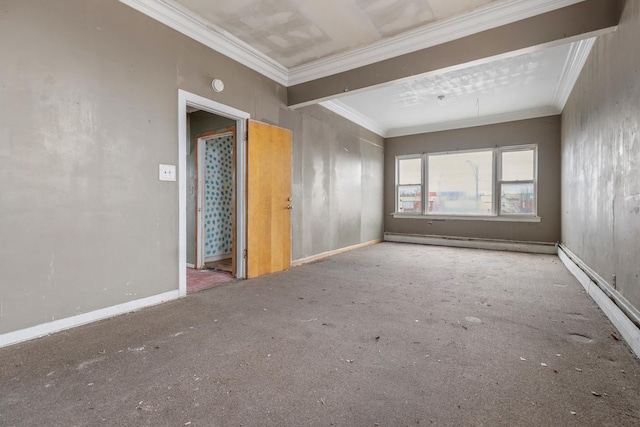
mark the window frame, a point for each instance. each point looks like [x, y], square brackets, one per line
[500, 182]
[493, 181]
[496, 186]
[398, 185]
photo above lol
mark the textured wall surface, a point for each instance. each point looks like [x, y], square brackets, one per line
[544, 131]
[218, 197]
[337, 182]
[88, 109]
[601, 159]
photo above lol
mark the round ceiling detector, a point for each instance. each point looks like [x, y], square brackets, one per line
[217, 85]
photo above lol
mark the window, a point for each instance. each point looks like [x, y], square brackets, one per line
[461, 183]
[409, 184]
[517, 184]
[476, 183]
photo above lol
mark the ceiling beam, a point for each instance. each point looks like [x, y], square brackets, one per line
[579, 21]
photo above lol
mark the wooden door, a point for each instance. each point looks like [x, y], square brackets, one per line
[268, 199]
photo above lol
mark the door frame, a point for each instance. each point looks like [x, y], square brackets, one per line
[192, 100]
[201, 140]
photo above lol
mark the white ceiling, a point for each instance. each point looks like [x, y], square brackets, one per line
[295, 32]
[531, 84]
[296, 41]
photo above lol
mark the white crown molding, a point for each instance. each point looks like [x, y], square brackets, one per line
[362, 120]
[576, 59]
[492, 16]
[476, 121]
[187, 23]
[350, 114]
[481, 19]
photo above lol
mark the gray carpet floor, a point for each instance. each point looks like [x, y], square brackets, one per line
[389, 335]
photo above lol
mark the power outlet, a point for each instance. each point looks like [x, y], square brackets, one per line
[167, 172]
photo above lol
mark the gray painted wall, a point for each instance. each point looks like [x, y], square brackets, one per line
[337, 182]
[601, 159]
[88, 109]
[543, 131]
[198, 122]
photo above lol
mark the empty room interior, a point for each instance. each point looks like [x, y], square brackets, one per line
[306, 212]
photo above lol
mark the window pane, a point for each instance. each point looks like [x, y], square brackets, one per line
[517, 199]
[461, 183]
[410, 198]
[517, 165]
[409, 171]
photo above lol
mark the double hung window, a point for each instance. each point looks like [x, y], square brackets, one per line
[409, 189]
[517, 181]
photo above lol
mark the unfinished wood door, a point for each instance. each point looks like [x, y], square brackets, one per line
[268, 199]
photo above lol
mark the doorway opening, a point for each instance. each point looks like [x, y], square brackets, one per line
[211, 200]
[212, 175]
[215, 198]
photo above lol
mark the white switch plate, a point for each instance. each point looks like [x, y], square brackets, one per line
[167, 172]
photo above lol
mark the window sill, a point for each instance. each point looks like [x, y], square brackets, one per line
[502, 218]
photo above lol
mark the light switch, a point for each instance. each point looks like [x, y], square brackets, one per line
[167, 172]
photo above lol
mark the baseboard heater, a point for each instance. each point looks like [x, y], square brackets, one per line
[474, 243]
[624, 316]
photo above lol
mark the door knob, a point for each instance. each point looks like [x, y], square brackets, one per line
[289, 207]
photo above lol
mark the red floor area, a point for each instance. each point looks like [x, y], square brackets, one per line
[198, 280]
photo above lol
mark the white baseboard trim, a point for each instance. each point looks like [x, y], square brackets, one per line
[313, 258]
[620, 320]
[191, 265]
[82, 319]
[474, 243]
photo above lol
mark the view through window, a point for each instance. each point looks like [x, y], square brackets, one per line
[409, 184]
[517, 184]
[461, 183]
[487, 182]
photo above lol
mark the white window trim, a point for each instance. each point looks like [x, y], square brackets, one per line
[421, 184]
[499, 182]
[496, 187]
[493, 182]
[503, 218]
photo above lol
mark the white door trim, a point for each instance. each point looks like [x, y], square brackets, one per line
[190, 99]
[201, 258]
[200, 146]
